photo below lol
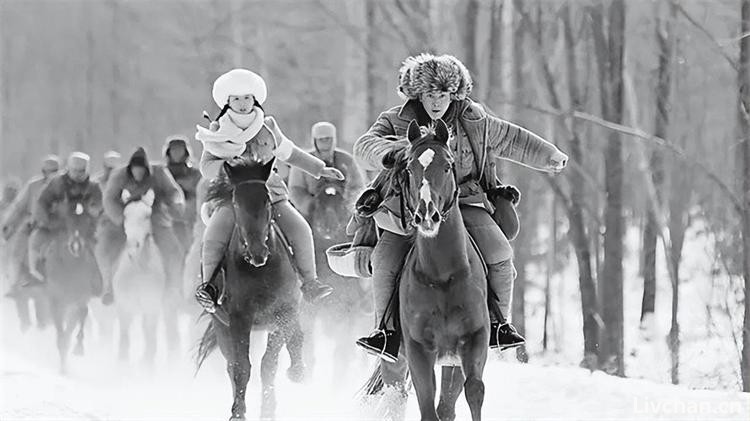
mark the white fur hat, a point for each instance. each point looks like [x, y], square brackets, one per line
[239, 82]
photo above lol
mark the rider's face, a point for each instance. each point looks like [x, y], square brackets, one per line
[242, 104]
[324, 144]
[177, 153]
[435, 103]
[77, 174]
[138, 172]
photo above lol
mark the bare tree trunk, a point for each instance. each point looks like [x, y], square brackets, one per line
[610, 49]
[371, 40]
[90, 89]
[470, 36]
[576, 219]
[743, 78]
[116, 84]
[495, 67]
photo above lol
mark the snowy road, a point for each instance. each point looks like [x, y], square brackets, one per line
[99, 388]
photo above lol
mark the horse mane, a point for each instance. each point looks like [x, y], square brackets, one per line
[220, 190]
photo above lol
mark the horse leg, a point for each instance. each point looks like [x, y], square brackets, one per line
[452, 383]
[422, 368]
[149, 335]
[235, 345]
[268, 367]
[22, 308]
[41, 310]
[82, 313]
[394, 390]
[171, 323]
[58, 318]
[295, 341]
[125, 320]
[473, 359]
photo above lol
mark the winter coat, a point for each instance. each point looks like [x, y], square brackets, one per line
[48, 212]
[169, 201]
[185, 175]
[482, 138]
[303, 187]
[270, 142]
[20, 211]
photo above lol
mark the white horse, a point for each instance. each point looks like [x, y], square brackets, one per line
[139, 279]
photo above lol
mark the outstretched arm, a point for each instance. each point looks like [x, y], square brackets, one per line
[372, 146]
[520, 145]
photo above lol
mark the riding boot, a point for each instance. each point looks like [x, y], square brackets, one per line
[215, 241]
[503, 335]
[387, 260]
[298, 232]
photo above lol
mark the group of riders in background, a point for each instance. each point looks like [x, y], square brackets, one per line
[435, 89]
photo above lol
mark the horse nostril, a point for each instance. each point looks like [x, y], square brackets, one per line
[418, 218]
[436, 217]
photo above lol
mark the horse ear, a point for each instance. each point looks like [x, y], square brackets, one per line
[125, 196]
[413, 132]
[227, 169]
[441, 131]
[148, 198]
[266, 169]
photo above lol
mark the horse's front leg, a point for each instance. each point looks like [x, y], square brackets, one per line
[82, 314]
[295, 344]
[268, 367]
[236, 350]
[473, 359]
[452, 383]
[422, 368]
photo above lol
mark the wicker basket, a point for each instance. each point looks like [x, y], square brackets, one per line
[350, 261]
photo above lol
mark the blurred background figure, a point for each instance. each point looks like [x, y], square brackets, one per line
[112, 160]
[177, 153]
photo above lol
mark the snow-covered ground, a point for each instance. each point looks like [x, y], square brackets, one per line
[99, 387]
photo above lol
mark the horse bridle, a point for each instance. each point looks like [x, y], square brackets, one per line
[405, 202]
[245, 246]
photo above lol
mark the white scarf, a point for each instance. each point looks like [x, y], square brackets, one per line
[235, 130]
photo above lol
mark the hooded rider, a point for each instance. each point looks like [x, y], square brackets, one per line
[177, 153]
[138, 177]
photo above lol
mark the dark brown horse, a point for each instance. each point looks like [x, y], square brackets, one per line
[261, 289]
[72, 275]
[443, 287]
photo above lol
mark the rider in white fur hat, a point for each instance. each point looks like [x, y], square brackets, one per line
[243, 132]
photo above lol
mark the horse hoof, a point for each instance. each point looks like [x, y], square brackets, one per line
[237, 418]
[296, 373]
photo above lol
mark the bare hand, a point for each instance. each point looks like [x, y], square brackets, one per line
[557, 162]
[330, 172]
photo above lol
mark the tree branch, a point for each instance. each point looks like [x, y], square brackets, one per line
[705, 32]
[675, 150]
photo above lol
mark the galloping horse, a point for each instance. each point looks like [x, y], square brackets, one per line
[342, 313]
[261, 289]
[73, 276]
[443, 288]
[139, 279]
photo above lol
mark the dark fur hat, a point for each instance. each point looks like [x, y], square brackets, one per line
[429, 73]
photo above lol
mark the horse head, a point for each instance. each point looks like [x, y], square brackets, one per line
[252, 208]
[78, 223]
[328, 208]
[137, 219]
[429, 188]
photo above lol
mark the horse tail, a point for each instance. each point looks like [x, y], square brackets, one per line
[206, 345]
[374, 384]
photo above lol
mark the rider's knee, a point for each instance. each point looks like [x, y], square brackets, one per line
[505, 268]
